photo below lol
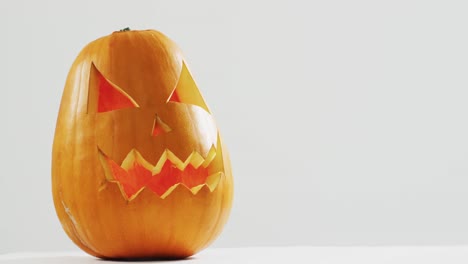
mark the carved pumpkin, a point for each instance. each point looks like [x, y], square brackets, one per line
[138, 166]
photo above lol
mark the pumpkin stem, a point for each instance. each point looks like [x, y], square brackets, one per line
[125, 29]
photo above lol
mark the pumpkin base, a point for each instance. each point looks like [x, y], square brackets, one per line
[155, 258]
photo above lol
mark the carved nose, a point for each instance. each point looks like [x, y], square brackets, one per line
[159, 127]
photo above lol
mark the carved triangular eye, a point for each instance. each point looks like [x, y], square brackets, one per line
[111, 97]
[186, 90]
[159, 127]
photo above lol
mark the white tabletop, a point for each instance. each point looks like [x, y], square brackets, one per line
[284, 255]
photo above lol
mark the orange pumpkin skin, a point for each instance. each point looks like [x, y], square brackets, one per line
[101, 213]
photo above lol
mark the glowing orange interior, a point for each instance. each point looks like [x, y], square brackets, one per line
[137, 177]
[174, 97]
[111, 98]
[157, 130]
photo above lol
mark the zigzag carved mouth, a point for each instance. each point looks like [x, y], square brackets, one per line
[136, 174]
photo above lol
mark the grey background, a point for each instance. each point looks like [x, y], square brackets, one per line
[346, 120]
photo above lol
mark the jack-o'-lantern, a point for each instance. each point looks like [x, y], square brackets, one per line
[139, 169]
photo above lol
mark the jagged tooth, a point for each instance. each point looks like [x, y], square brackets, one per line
[210, 156]
[197, 188]
[196, 159]
[213, 180]
[136, 194]
[135, 157]
[211, 183]
[129, 159]
[143, 162]
[157, 168]
[187, 161]
[176, 161]
[169, 191]
[121, 189]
